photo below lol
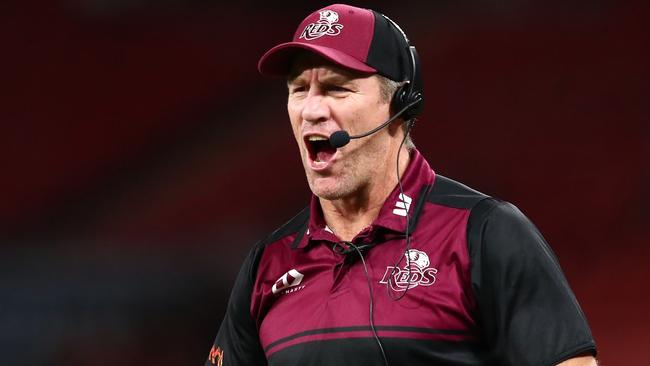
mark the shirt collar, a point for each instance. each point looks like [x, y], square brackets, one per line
[416, 183]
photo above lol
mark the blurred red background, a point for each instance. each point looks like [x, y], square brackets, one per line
[143, 156]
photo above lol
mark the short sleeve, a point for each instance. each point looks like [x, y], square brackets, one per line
[237, 342]
[527, 312]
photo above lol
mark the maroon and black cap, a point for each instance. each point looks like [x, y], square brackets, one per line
[354, 38]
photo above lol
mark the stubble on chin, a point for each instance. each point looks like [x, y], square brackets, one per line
[325, 188]
[330, 187]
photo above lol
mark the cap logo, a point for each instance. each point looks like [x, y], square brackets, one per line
[326, 26]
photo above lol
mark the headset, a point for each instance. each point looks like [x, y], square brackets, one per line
[408, 97]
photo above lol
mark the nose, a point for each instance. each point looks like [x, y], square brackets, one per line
[315, 108]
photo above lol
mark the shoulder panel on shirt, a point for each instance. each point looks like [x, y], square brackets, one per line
[448, 192]
[237, 341]
[297, 224]
[528, 313]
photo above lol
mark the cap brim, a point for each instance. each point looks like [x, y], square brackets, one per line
[277, 60]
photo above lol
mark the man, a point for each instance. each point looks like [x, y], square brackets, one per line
[390, 263]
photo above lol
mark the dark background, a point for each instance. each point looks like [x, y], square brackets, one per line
[142, 155]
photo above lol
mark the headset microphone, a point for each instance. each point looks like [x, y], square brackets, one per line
[341, 138]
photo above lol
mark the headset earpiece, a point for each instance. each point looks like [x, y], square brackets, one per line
[411, 92]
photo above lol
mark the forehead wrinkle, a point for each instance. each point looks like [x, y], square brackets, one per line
[307, 75]
[328, 71]
[333, 77]
[325, 75]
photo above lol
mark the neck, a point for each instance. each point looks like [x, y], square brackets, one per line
[349, 215]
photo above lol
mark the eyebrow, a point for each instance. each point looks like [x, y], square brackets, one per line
[330, 78]
[336, 79]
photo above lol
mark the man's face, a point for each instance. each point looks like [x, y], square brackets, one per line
[323, 99]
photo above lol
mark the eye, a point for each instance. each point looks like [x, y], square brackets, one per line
[338, 89]
[293, 89]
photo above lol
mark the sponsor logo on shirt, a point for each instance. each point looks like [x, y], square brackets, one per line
[326, 26]
[216, 356]
[416, 272]
[402, 205]
[288, 282]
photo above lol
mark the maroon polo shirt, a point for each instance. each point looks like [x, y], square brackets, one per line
[480, 287]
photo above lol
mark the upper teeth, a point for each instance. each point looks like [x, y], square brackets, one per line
[317, 138]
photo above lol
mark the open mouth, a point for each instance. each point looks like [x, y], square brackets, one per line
[320, 150]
